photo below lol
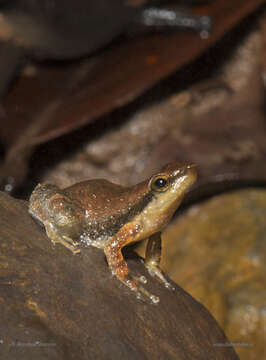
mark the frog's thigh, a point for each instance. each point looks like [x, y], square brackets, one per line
[153, 257]
[56, 238]
[114, 255]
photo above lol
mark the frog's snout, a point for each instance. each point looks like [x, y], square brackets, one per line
[187, 170]
[191, 166]
[191, 172]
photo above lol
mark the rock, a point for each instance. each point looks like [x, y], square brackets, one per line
[217, 252]
[216, 124]
[55, 305]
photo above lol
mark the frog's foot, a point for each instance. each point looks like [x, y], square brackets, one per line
[70, 244]
[141, 292]
[156, 271]
[62, 239]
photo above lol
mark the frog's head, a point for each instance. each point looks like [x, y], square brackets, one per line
[173, 179]
[170, 185]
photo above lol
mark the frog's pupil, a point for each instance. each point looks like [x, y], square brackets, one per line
[160, 182]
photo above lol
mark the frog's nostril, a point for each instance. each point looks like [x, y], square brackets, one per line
[191, 166]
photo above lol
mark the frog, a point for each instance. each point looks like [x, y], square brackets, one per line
[109, 216]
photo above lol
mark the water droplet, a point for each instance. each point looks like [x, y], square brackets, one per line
[204, 34]
[143, 279]
[155, 299]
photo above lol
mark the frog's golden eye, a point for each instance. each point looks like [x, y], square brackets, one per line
[160, 183]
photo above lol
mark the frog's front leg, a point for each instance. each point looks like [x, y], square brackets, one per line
[64, 240]
[153, 257]
[117, 264]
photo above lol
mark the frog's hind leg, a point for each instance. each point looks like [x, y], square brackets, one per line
[153, 257]
[62, 239]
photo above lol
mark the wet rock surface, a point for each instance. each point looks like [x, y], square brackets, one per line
[216, 252]
[59, 306]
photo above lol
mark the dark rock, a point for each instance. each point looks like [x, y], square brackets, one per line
[59, 306]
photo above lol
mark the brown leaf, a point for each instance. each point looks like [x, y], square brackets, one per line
[112, 79]
[57, 100]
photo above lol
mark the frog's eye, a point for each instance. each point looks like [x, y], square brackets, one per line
[160, 183]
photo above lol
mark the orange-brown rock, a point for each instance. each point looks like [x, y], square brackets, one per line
[217, 252]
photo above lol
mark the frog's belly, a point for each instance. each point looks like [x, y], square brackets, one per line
[99, 242]
[98, 234]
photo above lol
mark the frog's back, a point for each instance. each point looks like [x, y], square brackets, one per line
[104, 205]
[99, 198]
[108, 206]
[99, 189]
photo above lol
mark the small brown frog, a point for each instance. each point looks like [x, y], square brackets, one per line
[109, 216]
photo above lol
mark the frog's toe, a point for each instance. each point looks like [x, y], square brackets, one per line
[141, 279]
[156, 271]
[70, 244]
[142, 293]
[169, 286]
